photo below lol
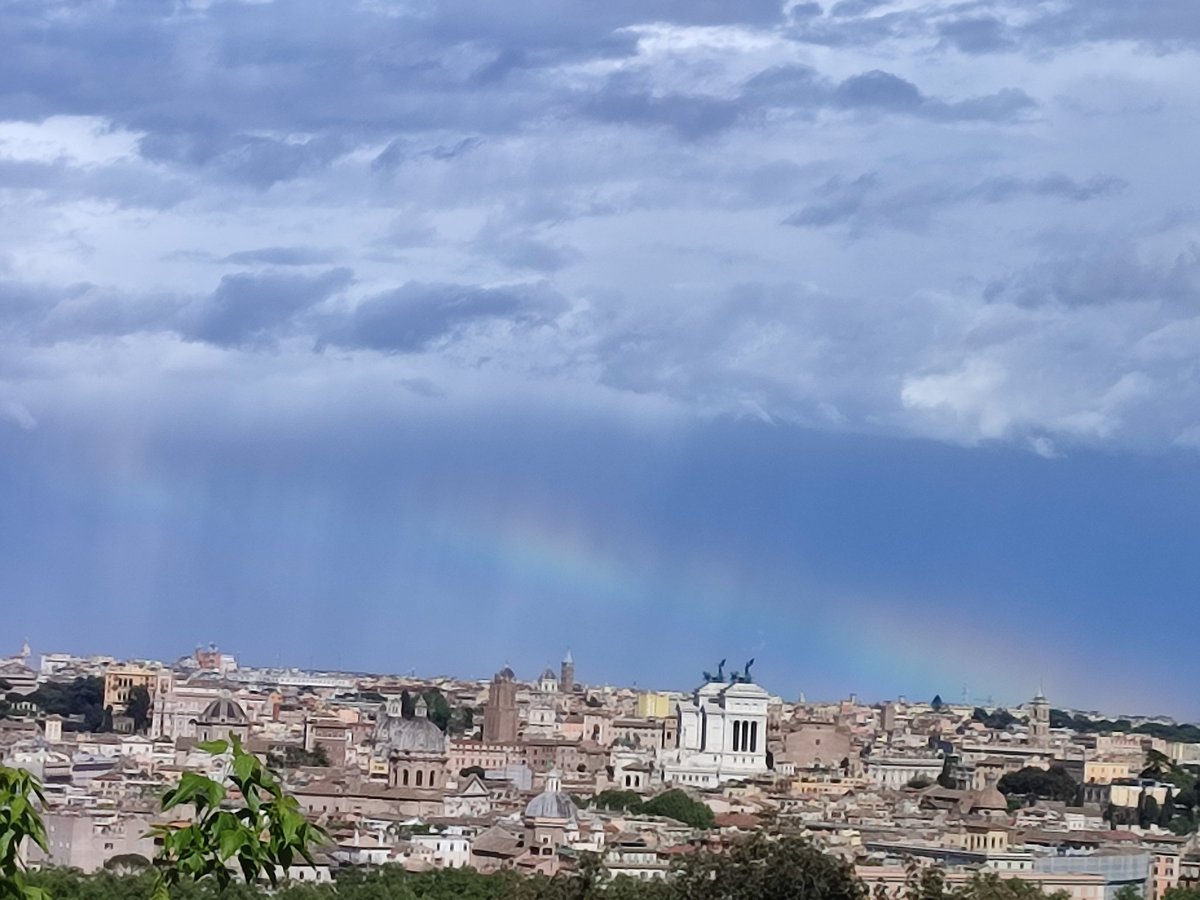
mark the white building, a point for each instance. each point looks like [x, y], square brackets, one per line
[896, 772]
[722, 735]
[451, 849]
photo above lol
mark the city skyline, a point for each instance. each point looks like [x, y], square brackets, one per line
[526, 671]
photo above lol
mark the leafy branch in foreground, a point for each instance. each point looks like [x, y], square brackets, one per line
[262, 837]
[19, 821]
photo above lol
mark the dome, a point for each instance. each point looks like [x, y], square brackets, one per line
[989, 799]
[223, 711]
[506, 674]
[552, 803]
[394, 734]
[548, 675]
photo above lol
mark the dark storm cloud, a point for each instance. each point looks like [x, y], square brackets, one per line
[249, 309]
[883, 91]
[1163, 24]
[803, 87]
[1111, 273]
[255, 308]
[402, 150]
[281, 256]
[981, 34]
[258, 161]
[866, 202]
[1001, 27]
[410, 318]
[691, 117]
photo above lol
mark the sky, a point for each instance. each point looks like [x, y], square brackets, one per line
[861, 338]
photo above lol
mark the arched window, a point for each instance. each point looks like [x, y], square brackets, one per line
[737, 734]
[406, 777]
[753, 737]
[420, 775]
[432, 778]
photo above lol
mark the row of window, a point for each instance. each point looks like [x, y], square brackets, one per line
[745, 736]
[420, 778]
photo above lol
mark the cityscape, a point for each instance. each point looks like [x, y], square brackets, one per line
[599, 450]
[535, 774]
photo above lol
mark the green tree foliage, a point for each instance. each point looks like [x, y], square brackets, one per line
[618, 800]
[1187, 733]
[439, 711]
[936, 703]
[19, 822]
[998, 719]
[1054, 783]
[677, 805]
[408, 706]
[138, 707]
[263, 837]
[929, 883]
[759, 868]
[674, 804]
[1148, 811]
[991, 886]
[82, 697]
[1128, 892]
[763, 869]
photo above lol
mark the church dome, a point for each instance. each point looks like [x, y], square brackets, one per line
[552, 803]
[395, 734]
[224, 711]
[989, 799]
[548, 675]
[506, 674]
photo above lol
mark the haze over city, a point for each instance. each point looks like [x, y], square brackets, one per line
[860, 338]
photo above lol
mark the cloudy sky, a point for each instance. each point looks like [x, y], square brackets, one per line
[861, 337]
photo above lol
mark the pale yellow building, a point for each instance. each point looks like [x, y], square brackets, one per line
[120, 679]
[653, 705]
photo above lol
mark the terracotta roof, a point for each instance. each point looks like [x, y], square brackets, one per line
[498, 841]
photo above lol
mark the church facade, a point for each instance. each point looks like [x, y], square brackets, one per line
[722, 735]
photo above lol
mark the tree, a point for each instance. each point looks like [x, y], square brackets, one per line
[82, 697]
[763, 869]
[676, 804]
[19, 822]
[1147, 811]
[471, 770]
[137, 707]
[263, 837]
[437, 709]
[1054, 783]
[936, 703]
[924, 882]
[991, 886]
[408, 706]
[614, 798]
[946, 778]
[919, 782]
